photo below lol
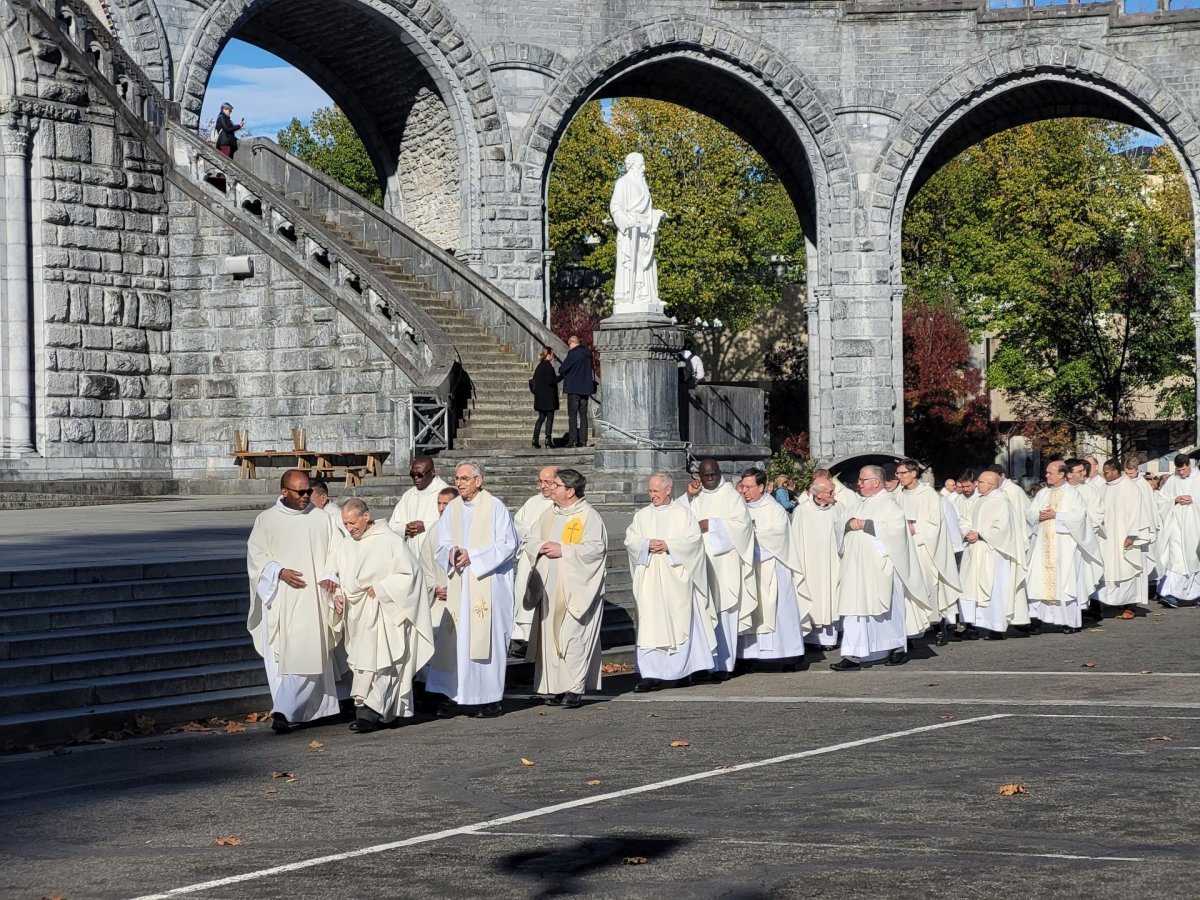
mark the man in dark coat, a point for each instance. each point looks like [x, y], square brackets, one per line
[579, 384]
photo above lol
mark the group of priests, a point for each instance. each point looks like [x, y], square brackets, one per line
[350, 613]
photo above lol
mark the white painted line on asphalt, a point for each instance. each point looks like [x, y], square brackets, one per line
[674, 697]
[557, 807]
[1072, 673]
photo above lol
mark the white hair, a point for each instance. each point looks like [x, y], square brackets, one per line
[476, 468]
[667, 480]
[356, 506]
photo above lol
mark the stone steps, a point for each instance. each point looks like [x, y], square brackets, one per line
[34, 644]
[86, 615]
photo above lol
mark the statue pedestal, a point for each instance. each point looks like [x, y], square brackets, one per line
[637, 424]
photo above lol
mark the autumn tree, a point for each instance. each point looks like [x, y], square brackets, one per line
[1054, 241]
[331, 145]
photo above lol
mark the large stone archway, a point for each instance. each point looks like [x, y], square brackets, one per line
[434, 134]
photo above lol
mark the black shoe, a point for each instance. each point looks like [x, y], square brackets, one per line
[796, 664]
[719, 676]
[992, 636]
[280, 724]
[364, 726]
[489, 711]
[447, 709]
[846, 665]
[647, 685]
[1067, 629]
[517, 648]
[896, 658]
[555, 700]
[571, 701]
[537, 446]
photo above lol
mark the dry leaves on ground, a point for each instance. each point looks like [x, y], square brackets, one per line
[54, 897]
[1097, 628]
[253, 717]
[1011, 790]
[680, 744]
[594, 782]
[144, 724]
[316, 745]
[234, 727]
[931, 684]
[946, 718]
[527, 762]
[1160, 738]
[230, 841]
[635, 860]
[1144, 672]
[616, 668]
[283, 775]
[1088, 665]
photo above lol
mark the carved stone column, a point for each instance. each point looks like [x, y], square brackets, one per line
[1196, 328]
[16, 313]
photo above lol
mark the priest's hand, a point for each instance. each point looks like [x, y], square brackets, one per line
[971, 537]
[704, 526]
[551, 550]
[657, 546]
[1183, 500]
[371, 592]
[439, 593]
[292, 578]
[912, 528]
[1045, 514]
[462, 558]
[694, 487]
[1128, 543]
[329, 587]
[339, 603]
[855, 524]
[412, 529]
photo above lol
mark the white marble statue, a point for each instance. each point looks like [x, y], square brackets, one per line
[637, 221]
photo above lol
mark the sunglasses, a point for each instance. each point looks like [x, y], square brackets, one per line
[306, 492]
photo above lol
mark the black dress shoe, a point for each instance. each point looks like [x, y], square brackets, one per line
[846, 665]
[364, 726]
[571, 701]
[1067, 629]
[489, 711]
[992, 636]
[646, 685]
[555, 700]
[796, 664]
[280, 723]
[447, 709]
[719, 676]
[896, 658]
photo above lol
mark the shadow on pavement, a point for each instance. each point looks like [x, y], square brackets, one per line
[562, 870]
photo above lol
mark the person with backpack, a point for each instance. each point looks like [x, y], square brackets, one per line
[224, 133]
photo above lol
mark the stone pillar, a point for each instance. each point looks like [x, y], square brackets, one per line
[637, 419]
[1196, 329]
[16, 312]
[813, 311]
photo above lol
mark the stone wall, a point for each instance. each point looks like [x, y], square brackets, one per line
[427, 170]
[264, 354]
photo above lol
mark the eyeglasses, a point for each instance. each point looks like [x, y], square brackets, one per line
[417, 473]
[458, 478]
[306, 492]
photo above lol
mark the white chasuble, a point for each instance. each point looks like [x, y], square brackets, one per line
[418, 506]
[568, 594]
[923, 510]
[676, 616]
[527, 521]
[1064, 557]
[292, 628]
[815, 531]
[1125, 518]
[471, 640]
[389, 636]
[782, 616]
[1179, 540]
[993, 566]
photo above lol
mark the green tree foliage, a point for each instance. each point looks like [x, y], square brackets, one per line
[331, 145]
[729, 214]
[1052, 239]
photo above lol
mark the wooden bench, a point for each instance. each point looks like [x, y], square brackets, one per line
[353, 465]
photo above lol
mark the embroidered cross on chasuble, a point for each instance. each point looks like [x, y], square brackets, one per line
[1050, 548]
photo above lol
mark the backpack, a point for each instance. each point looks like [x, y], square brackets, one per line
[214, 134]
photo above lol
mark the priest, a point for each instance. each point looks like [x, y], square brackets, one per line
[1064, 557]
[1150, 565]
[1124, 534]
[676, 617]
[476, 549]
[527, 520]
[416, 513]
[993, 565]
[927, 524]
[879, 571]
[380, 595]
[567, 550]
[729, 547]
[291, 619]
[1179, 544]
[816, 524]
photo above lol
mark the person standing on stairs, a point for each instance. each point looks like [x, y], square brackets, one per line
[579, 383]
[226, 131]
[544, 386]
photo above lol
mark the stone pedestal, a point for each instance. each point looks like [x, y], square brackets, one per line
[637, 422]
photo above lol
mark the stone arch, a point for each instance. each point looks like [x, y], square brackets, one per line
[525, 56]
[774, 86]
[1016, 86]
[18, 74]
[445, 70]
[140, 30]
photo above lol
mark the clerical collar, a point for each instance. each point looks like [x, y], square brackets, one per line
[284, 508]
[824, 505]
[666, 505]
[568, 510]
[720, 484]
[761, 500]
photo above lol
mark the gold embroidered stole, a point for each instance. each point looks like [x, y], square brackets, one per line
[1050, 546]
[479, 590]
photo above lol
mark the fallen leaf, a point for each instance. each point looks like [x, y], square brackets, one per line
[727, 766]
[1088, 665]
[271, 791]
[931, 684]
[1010, 790]
[653, 715]
[315, 745]
[635, 860]
[527, 762]
[54, 897]
[253, 717]
[144, 724]
[61, 751]
[1097, 628]
[680, 744]
[616, 668]
[1161, 738]
[230, 841]
[1144, 672]
[282, 775]
[945, 718]
[541, 714]
[234, 727]
[594, 782]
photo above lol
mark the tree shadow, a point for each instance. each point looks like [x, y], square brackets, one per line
[562, 870]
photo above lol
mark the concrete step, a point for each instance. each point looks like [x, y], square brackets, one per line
[85, 615]
[100, 663]
[133, 686]
[126, 591]
[35, 644]
[16, 577]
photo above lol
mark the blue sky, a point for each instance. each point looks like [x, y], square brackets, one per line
[262, 88]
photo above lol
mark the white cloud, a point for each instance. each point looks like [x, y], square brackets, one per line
[268, 98]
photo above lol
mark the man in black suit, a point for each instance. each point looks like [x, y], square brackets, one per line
[579, 384]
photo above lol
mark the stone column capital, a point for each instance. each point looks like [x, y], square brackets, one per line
[19, 129]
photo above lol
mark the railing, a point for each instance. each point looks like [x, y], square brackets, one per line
[428, 425]
[490, 307]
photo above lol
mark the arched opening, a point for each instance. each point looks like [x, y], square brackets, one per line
[1048, 249]
[413, 131]
[726, 161]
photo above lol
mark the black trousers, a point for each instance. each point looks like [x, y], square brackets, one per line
[547, 416]
[577, 419]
